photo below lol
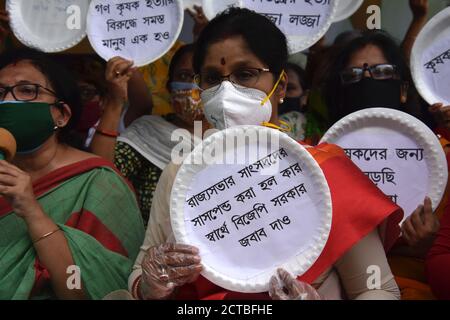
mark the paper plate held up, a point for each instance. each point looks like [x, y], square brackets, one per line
[48, 25]
[140, 30]
[430, 59]
[303, 22]
[260, 203]
[346, 8]
[400, 154]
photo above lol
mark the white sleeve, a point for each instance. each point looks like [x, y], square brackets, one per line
[365, 273]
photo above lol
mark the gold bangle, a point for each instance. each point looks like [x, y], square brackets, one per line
[46, 236]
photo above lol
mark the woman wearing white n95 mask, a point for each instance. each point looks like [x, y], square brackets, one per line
[239, 59]
[232, 100]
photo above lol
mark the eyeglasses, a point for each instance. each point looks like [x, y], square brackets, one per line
[246, 77]
[377, 72]
[23, 92]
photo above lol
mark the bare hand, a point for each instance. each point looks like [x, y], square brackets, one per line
[199, 18]
[420, 228]
[118, 72]
[441, 114]
[419, 8]
[16, 187]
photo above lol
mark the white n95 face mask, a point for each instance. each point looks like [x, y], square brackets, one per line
[228, 105]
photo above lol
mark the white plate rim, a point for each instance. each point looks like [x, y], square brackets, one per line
[416, 54]
[343, 13]
[436, 160]
[147, 61]
[17, 26]
[297, 265]
[300, 43]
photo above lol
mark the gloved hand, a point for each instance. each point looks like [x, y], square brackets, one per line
[166, 267]
[295, 289]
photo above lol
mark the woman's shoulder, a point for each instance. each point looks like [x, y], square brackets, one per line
[75, 162]
[71, 155]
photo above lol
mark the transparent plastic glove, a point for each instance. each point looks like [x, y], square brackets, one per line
[286, 287]
[166, 267]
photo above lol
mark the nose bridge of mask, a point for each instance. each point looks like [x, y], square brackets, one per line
[177, 86]
[227, 86]
[11, 102]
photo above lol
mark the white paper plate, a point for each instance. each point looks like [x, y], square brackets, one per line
[346, 8]
[381, 128]
[302, 38]
[43, 24]
[432, 42]
[212, 7]
[248, 266]
[141, 40]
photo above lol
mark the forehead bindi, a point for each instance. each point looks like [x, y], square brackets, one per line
[229, 54]
[370, 55]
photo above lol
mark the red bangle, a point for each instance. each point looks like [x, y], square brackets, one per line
[111, 134]
[135, 289]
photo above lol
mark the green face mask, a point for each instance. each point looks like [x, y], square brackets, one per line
[31, 123]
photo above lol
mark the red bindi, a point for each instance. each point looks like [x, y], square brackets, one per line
[223, 62]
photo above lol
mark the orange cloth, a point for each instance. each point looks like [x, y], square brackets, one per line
[414, 290]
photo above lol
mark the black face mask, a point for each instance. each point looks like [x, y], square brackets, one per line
[371, 93]
[289, 105]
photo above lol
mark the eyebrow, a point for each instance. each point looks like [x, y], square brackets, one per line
[236, 65]
[184, 70]
[20, 82]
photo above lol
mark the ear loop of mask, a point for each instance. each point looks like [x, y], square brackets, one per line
[60, 105]
[274, 88]
[285, 127]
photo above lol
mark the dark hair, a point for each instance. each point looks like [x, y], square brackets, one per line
[262, 36]
[392, 53]
[300, 73]
[176, 59]
[88, 68]
[59, 78]
[346, 37]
